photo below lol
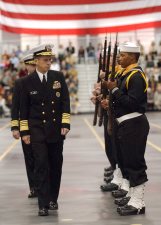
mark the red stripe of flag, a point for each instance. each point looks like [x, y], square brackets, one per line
[61, 2]
[81, 16]
[83, 31]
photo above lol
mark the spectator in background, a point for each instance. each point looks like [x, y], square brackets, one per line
[149, 61]
[157, 97]
[27, 48]
[150, 97]
[81, 55]
[152, 83]
[6, 61]
[159, 49]
[22, 70]
[7, 76]
[55, 64]
[70, 49]
[70, 60]
[159, 63]
[141, 47]
[99, 49]
[61, 53]
[1, 88]
[73, 89]
[153, 49]
[91, 53]
[14, 61]
[4, 110]
[18, 52]
[8, 96]
[5, 55]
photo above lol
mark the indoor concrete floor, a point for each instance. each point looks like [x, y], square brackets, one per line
[81, 202]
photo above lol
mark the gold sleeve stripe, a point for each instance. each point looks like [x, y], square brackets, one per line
[24, 121]
[14, 123]
[24, 125]
[66, 118]
[66, 114]
[66, 121]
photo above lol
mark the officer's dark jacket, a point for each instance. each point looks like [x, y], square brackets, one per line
[16, 105]
[132, 93]
[44, 110]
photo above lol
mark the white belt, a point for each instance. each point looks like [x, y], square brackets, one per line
[128, 116]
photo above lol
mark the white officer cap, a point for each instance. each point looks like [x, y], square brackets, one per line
[29, 59]
[129, 47]
[43, 50]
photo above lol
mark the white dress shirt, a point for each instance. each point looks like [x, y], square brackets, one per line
[41, 75]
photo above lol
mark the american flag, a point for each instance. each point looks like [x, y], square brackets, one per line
[78, 17]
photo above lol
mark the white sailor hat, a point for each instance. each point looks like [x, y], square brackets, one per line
[43, 50]
[129, 47]
[29, 59]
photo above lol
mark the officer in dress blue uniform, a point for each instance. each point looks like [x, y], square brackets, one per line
[45, 121]
[27, 149]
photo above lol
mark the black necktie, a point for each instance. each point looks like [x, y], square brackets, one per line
[44, 81]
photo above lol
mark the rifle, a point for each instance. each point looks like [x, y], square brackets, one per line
[105, 91]
[112, 78]
[97, 102]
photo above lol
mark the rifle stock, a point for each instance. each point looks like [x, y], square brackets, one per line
[104, 91]
[112, 78]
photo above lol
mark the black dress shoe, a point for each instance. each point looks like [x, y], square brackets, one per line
[43, 212]
[122, 201]
[108, 168]
[131, 210]
[108, 173]
[108, 179]
[109, 187]
[53, 205]
[119, 193]
[32, 194]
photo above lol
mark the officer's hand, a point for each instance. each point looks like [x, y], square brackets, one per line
[105, 104]
[64, 131]
[26, 139]
[16, 134]
[110, 84]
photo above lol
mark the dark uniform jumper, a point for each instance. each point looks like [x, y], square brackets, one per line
[27, 149]
[131, 97]
[45, 109]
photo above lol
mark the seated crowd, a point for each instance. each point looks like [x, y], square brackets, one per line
[12, 68]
